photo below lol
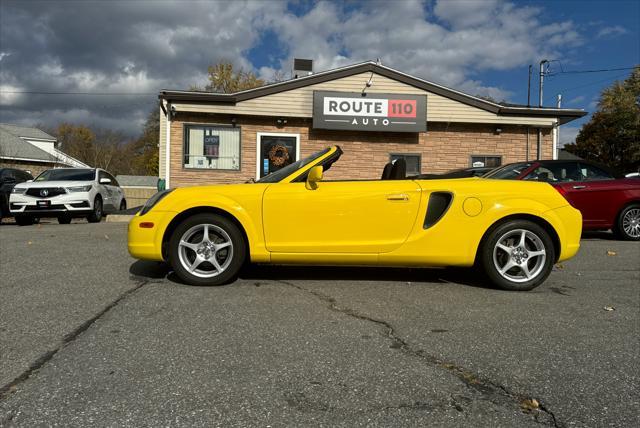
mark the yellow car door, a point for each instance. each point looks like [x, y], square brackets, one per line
[340, 216]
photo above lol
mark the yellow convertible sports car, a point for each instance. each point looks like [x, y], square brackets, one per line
[513, 230]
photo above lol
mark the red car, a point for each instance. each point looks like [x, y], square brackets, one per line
[606, 200]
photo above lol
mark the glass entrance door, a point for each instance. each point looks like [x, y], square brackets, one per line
[276, 152]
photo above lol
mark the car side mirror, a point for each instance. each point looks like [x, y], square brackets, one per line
[105, 180]
[315, 176]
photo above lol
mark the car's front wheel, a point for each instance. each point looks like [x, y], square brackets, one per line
[207, 249]
[123, 205]
[517, 255]
[628, 223]
[96, 214]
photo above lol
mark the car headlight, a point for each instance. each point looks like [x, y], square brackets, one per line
[18, 190]
[79, 188]
[154, 200]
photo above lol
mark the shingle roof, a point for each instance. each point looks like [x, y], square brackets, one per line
[12, 146]
[137, 180]
[26, 132]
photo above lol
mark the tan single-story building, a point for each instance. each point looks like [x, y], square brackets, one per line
[374, 113]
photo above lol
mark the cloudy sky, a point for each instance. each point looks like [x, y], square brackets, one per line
[103, 62]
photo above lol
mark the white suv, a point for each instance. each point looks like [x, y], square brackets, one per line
[66, 193]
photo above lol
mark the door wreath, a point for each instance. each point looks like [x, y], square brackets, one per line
[278, 155]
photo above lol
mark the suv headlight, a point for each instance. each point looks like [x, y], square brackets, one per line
[152, 201]
[79, 188]
[18, 190]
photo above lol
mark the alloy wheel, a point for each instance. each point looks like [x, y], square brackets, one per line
[631, 222]
[205, 250]
[519, 255]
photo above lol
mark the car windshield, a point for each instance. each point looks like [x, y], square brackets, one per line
[507, 172]
[278, 175]
[67, 175]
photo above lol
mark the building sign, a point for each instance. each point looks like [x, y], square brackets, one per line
[369, 111]
[211, 146]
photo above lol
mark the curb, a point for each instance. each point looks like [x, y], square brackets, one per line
[119, 218]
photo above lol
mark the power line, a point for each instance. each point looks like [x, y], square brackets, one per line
[590, 71]
[117, 94]
[591, 83]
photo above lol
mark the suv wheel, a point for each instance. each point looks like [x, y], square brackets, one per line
[517, 255]
[96, 215]
[207, 249]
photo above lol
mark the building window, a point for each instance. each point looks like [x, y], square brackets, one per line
[413, 161]
[486, 161]
[212, 147]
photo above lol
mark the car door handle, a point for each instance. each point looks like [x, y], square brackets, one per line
[579, 187]
[398, 197]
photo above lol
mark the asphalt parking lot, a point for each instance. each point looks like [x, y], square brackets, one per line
[89, 336]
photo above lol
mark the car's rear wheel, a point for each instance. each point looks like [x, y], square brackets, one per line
[24, 220]
[207, 249]
[517, 255]
[123, 205]
[96, 214]
[64, 219]
[628, 223]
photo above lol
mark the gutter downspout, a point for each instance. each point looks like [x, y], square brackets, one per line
[556, 132]
[167, 154]
[527, 152]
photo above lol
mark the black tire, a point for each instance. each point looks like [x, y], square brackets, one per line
[123, 205]
[97, 213]
[64, 219]
[24, 220]
[514, 278]
[234, 257]
[632, 213]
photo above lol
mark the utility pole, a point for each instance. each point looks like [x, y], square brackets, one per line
[529, 87]
[542, 63]
[539, 142]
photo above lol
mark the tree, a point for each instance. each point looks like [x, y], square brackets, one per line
[99, 148]
[145, 152]
[223, 78]
[75, 140]
[612, 136]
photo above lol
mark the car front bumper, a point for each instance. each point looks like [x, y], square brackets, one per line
[74, 204]
[145, 234]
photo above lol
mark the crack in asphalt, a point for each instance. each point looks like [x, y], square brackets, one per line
[9, 388]
[494, 392]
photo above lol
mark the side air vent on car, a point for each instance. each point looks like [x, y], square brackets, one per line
[439, 203]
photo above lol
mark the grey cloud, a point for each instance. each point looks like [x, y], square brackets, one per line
[143, 46]
[465, 13]
[123, 47]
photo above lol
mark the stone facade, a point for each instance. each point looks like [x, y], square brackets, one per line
[443, 147]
